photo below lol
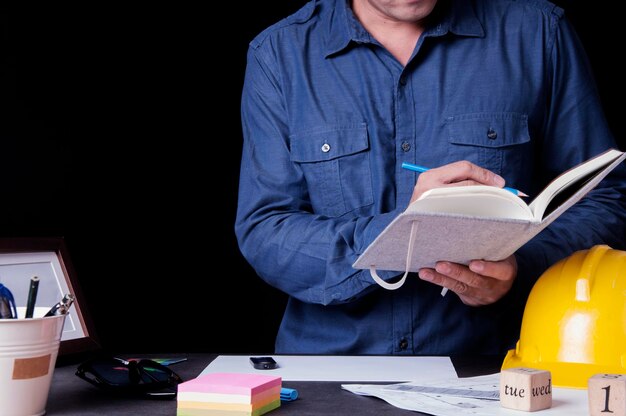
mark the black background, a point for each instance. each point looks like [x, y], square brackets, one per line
[120, 131]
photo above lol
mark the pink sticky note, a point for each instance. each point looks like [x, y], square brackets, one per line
[230, 383]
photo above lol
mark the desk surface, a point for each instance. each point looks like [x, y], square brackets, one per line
[71, 396]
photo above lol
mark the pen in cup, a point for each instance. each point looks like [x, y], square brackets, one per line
[418, 168]
[61, 307]
[32, 296]
[7, 303]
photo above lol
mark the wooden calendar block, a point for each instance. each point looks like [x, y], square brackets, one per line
[526, 389]
[607, 395]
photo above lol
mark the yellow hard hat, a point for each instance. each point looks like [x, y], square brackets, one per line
[574, 322]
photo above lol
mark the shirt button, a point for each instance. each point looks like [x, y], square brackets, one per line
[403, 344]
[406, 146]
[402, 80]
[325, 148]
[492, 134]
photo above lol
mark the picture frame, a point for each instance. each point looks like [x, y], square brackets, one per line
[49, 260]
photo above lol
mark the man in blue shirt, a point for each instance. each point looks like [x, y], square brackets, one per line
[339, 94]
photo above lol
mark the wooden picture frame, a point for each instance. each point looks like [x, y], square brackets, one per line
[48, 258]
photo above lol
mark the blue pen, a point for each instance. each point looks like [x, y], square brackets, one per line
[418, 168]
[288, 395]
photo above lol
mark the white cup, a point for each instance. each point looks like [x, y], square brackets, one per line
[28, 354]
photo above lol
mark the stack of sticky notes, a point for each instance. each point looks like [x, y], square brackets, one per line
[229, 394]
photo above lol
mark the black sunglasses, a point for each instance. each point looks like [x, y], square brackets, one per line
[130, 377]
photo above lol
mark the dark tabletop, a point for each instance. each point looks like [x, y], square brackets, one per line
[69, 395]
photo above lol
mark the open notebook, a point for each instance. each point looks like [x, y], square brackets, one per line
[463, 223]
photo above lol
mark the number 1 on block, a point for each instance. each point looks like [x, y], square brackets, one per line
[607, 395]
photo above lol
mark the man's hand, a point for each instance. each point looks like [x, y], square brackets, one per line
[480, 283]
[455, 174]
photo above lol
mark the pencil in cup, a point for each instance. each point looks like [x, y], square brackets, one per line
[32, 296]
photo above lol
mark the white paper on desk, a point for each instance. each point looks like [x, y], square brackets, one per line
[570, 402]
[341, 367]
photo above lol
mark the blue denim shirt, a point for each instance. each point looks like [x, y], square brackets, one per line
[328, 118]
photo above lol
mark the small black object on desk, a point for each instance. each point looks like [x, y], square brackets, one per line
[263, 363]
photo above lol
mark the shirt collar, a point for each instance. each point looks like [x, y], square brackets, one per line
[343, 28]
[455, 16]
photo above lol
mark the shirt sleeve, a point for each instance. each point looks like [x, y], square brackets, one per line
[575, 130]
[305, 255]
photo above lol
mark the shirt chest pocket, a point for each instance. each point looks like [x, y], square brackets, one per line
[336, 164]
[496, 141]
